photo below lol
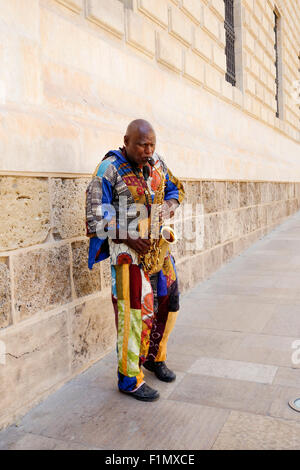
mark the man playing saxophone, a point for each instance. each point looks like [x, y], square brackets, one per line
[144, 281]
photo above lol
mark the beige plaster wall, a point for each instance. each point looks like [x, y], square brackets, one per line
[75, 72]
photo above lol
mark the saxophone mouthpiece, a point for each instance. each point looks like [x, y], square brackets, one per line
[151, 161]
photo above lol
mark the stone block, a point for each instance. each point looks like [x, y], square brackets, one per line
[225, 230]
[213, 78]
[219, 7]
[169, 53]
[179, 26]
[140, 34]
[243, 190]
[233, 224]
[202, 44]
[246, 221]
[210, 22]
[228, 252]
[209, 196]
[74, 5]
[105, 273]
[288, 207]
[37, 358]
[156, 10]
[5, 295]
[108, 15]
[227, 90]
[291, 190]
[184, 276]
[193, 192]
[193, 9]
[189, 236]
[93, 331]
[232, 195]
[212, 230]
[254, 219]
[24, 211]
[220, 188]
[41, 280]
[196, 269]
[193, 67]
[219, 58]
[283, 191]
[212, 261]
[265, 192]
[86, 281]
[262, 216]
[68, 207]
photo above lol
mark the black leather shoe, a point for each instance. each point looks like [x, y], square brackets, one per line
[160, 370]
[143, 393]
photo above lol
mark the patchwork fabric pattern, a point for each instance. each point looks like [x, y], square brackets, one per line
[145, 306]
[143, 329]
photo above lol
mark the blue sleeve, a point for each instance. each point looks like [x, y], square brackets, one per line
[101, 214]
[174, 188]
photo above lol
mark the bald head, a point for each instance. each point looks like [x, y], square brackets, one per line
[139, 126]
[140, 141]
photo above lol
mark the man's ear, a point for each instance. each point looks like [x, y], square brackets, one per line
[126, 140]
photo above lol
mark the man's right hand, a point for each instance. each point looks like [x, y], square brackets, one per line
[140, 245]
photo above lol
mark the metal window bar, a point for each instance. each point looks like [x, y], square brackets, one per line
[230, 41]
[276, 63]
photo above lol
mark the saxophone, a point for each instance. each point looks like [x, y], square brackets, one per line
[153, 261]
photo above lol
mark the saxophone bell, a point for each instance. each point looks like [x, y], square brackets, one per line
[168, 235]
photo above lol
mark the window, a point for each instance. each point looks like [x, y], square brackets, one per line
[278, 64]
[230, 41]
[276, 47]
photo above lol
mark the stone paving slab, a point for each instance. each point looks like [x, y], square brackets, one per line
[237, 370]
[232, 351]
[108, 420]
[243, 431]
[287, 377]
[228, 315]
[19, 440]
[265, 349]
[224, 393]
[284, 322]
[204, 342]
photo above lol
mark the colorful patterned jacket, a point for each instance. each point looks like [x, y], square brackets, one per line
[113, 178]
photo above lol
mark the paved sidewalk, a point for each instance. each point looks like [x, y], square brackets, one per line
[232, 351]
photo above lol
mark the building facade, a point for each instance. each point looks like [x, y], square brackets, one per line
[219, 81]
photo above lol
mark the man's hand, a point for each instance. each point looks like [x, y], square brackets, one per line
[140, 245]
[168, 209]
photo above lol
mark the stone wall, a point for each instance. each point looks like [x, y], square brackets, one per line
[56, 317]
[76, 71]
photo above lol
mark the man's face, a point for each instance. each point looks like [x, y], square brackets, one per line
[140, 146]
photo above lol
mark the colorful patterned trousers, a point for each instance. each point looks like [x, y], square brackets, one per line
[146, 309]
